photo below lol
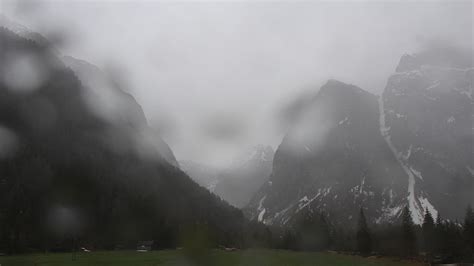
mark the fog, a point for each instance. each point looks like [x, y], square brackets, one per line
[214, 77]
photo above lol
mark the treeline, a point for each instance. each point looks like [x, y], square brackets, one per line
[72, 178]
[441, 241]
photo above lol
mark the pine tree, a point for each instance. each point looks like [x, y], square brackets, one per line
[468, 232]
[364, 241]
[438, 220]
[428, 230]
[408, 243]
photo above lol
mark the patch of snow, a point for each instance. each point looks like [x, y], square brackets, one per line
[326, 191]
[467, 93]
[212, 185]
[270, 183]
[415, 209]
[406, 157]
[260, 209]
[391, 196]
[426, 205]
[361, 188]
[307, 149]
[302, 206]
[282, 211]
[417, 173]
[261, 202]
[305, 198]
[343, 121]
[470, 170]
[434, 85]
[416, 212]
[261, 214]
[388, 213]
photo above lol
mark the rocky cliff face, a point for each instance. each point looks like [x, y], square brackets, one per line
[350, 149]
[106, 97]
[334, 160]
[427, 110]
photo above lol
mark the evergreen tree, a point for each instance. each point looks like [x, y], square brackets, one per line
[428, 231]
[313, 231]
[408, 241]
[364, 241]
[468, 232]
[438, 220]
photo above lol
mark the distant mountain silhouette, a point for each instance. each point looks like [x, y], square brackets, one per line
[238, 182]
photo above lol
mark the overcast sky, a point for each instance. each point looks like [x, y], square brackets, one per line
[213, 75]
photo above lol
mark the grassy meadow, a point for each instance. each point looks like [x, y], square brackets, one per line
[183, 258]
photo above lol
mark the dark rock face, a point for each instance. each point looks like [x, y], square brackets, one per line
[428, 110]
[121, 109]
[334, 160]
[411, 146]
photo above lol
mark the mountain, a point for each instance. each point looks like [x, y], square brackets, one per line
[332, 159]
[105, 96]
[427, 117]
[67, 171]
[238, 182]
[205, 176]
[347, 149]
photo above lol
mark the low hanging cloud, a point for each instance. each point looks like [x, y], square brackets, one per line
[186, 62]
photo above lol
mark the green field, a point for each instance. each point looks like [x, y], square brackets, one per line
[215, 257]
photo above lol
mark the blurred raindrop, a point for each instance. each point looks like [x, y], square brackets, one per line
[23, 72]
[8, 142]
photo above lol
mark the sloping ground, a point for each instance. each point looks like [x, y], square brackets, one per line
[215, 257]
[69, 171]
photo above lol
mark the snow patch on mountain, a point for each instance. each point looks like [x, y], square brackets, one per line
[434, 85]
[415, 208]
[260, 209]
[389, 213]
[426, 205]
[307, 202]
[343, 121]
[416, 173]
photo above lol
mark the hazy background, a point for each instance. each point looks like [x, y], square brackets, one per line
[214, 76]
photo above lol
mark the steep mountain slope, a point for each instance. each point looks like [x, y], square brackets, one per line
[241, 180]
[428, 113]
[66, 171]
[107, 99]
[413, 146]
[205, 176]
[333, 159]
